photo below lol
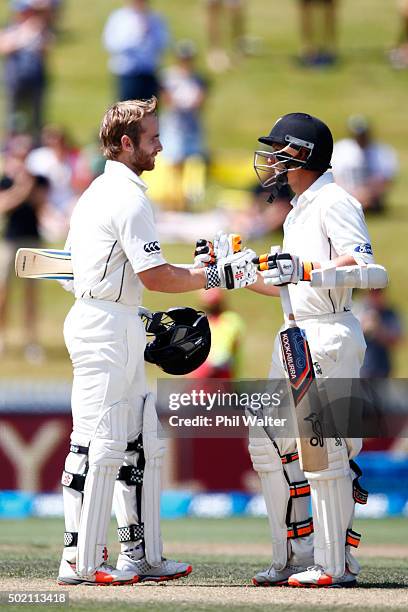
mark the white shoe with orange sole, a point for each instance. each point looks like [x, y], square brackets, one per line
[105, 575]
[316, 577]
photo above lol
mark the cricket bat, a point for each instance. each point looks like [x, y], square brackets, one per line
[299, 366]
[48, 264]
[53, 264]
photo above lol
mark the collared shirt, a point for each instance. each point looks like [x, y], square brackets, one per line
[112, 237]
[325, 222]
[135, 41]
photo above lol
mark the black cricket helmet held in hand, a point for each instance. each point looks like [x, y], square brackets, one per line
[182, 339]
[299, 140]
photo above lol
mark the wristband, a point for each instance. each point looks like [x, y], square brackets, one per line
[213, 278]
[307, 270]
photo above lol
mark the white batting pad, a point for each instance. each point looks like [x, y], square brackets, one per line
[154, 449]
[106, 454]
[74, 464]
[124, 498]
[275, 489]
[333, 510]
[301, 548]
[96, 511]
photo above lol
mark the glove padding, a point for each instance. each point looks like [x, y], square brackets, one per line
[223, 245]
[233, 272]
[204, 254]
[280, 269]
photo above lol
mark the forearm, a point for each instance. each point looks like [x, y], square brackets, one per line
[342, 260]
[260, 287]
[13, 197]
[172, 279]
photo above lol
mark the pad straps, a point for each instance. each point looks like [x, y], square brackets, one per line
[360, 495]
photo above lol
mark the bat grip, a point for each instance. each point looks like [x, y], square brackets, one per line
[286, 304]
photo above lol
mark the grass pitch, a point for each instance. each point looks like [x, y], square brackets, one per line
[225, 555]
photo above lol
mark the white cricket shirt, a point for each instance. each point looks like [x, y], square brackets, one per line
[325, 222]
[112, 237]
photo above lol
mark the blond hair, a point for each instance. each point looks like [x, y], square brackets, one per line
[123, 118]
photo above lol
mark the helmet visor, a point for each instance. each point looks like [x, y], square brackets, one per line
[270, 165]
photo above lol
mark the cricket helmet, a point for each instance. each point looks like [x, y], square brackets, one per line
[182, 339]
[300, 141]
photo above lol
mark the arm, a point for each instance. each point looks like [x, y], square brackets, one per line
[263, 289]
[342, 260]
[13, 197]
[233, 272]
[171, 279]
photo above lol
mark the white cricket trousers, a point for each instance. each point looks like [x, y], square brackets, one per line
[337, 346]
[106, 343]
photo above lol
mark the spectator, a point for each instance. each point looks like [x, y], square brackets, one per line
[15, 155]
[218, 58]
[364, 167]
[21, 201]
[261, 217]
[67, 171]
[382, 331]
[136, 38]
[183, 95]
[24, 44]
[399, 55]
[318, 51]
[227, 330]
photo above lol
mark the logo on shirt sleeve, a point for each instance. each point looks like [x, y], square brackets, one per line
[151, 247]
[364, 248]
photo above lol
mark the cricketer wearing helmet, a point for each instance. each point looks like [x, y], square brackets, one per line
[325, 228]
[115, 450]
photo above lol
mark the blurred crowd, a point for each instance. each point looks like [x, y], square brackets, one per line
[43, 172]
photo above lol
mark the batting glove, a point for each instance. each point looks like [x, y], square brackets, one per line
[224, 245]
[283, 268]
[204, 254]
[233, 272]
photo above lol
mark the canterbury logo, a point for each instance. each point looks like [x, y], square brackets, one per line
[151, 247]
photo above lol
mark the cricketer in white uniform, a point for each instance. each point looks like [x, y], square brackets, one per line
[326, 226]
[115, 253]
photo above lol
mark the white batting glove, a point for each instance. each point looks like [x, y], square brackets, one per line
[226, 244]
[233, 272]
[223, 245]
[204, 253]
[282, 268]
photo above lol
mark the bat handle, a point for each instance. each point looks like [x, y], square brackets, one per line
[287, 304]
[284, 294]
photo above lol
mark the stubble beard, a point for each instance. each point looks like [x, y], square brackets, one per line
[141, 162]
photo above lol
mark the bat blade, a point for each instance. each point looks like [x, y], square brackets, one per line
[48, 264]
[299, 366]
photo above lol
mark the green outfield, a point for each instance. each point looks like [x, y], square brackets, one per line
[257, 91]
[225, 553]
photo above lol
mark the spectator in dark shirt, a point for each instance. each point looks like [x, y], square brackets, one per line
[24, 44]
[136, 38]
[21, 202]
[382, 331]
